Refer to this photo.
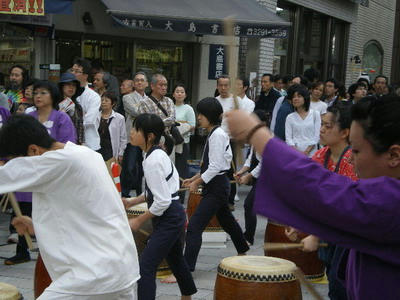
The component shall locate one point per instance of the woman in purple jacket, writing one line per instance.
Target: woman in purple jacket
(46, 97)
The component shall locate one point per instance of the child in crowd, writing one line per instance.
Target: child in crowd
(165, 210)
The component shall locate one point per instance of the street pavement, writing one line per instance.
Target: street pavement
(21, 275)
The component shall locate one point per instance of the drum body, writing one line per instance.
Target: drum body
(9, 292)
(41, 278)
(256, 278)
(308, 262)
(141, 238)
(193, 202)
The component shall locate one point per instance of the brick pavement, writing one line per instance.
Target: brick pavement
(21, 275)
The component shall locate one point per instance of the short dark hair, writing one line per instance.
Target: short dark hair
(342, 114)
(84, 63)
(287, 78)
(151, 123)
(245, 81)
(19, 132)
(261, 114)
(381, 76)
(336, 83)
(223, 76)
(312, 74)
(366, 81)
(303, 80)
(379, 118)
(271, 77)
(211, 109)
(97, 64)
(53, 90)
(301, 90)
(352, 89)
(314, 85)
(111, 96)
(277, 77)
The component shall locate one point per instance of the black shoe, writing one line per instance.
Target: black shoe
(17, 259)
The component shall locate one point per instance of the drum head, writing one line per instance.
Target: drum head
(138, 209)
(9, 292)
(257, 269)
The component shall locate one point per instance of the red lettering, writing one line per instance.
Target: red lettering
(39, 6)
(19, 5)
(31, 6)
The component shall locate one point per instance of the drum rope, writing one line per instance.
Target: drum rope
(302, 278)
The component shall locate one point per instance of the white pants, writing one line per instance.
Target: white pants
(127, 294)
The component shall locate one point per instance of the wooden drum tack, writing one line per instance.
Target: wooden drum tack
(308, 262)
(193, 203)
(256, 278)
(9, 292)
(142, 235)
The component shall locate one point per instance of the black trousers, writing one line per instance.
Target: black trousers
(132, 170)
(165, 242)
(232, 170)
(22, 246)
(250, 218)
(214, 202)
(182, 167)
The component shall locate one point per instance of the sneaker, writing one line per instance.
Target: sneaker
(17, 259)
(13, 238)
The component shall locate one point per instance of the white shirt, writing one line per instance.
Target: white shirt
(256, 171)
(80, 223)
(185, 113)
(118, 134)
(319, 106)
(303, 133)
(90, 102)
(227, 105)
(219, 157)
(246, 104)
(277, 106)
(157, 166)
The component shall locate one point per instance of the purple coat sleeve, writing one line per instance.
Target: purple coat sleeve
(363, 215)
(65, 129)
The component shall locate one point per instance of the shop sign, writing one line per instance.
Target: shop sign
(22, 7)
(15, 55)
(217, 62)
(201, 27)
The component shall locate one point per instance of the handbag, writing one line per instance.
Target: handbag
(176, 135)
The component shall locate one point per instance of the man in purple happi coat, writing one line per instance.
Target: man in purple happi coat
(361, 216)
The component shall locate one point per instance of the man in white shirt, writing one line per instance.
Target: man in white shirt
(90, 102)
(77, 216)
(242, 84)
(132, 170)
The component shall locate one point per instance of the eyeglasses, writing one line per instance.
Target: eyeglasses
(41, 93)
(77, 71)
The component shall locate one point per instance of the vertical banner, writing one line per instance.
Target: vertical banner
(22, 7)
(217, 61)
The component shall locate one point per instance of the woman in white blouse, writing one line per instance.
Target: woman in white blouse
(317, 90)
(302, 126)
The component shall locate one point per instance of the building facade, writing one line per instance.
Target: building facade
(339, 38)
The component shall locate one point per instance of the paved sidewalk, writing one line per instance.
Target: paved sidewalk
(21, 275)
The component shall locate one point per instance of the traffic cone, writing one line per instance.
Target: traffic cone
(116, 171)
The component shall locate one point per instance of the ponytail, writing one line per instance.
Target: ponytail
(168, 143)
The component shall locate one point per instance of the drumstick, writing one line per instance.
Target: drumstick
(287, 246)
(144, 232)
(17, 211)
(186, 188)
(300, 276)
(4, 202)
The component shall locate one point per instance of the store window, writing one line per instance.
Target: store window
(280, 65)
(167, 60)
(372, 60)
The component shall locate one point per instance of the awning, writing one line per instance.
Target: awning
(198, 16)
(58, 7)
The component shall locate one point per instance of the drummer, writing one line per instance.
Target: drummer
(79, 221)
(216, 163)
(165, 210)
(361, 216)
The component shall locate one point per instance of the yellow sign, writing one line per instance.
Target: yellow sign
(22, 7)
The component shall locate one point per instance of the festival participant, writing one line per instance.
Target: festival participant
(248, 174)
(165, 211)
(14, 90)
(46, 97)
(303, 125)
(361, 216)
(216, 162)
(83, 233)
(336, 157)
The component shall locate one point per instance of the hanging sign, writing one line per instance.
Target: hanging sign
(22, 7)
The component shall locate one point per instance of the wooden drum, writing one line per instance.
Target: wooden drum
(141, 238)
(9, 292)
(256, 278)
(193, 202)
(308, 262)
